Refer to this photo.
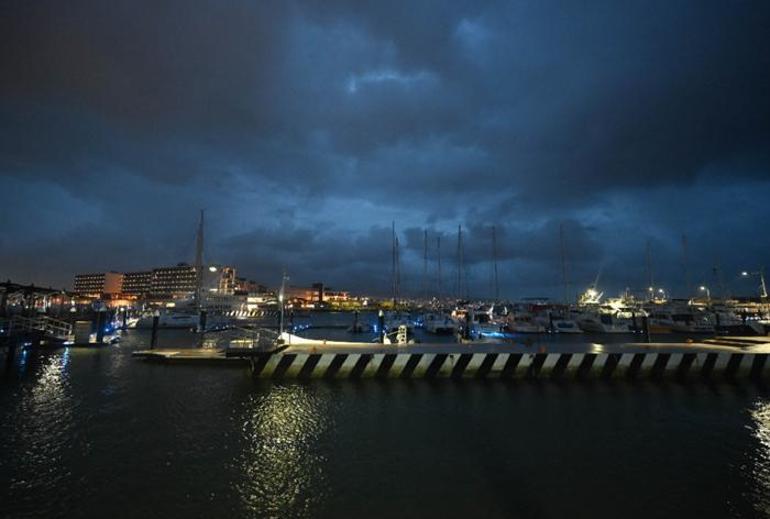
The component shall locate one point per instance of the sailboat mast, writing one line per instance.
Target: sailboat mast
(398, 270)
(199, 263)
(438, 253)
(459, 261)
(393, 269)
(650, 286)
(425, 264)
(563, 263)
(685, 266)
(494, 262)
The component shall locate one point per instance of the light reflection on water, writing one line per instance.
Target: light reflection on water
(98, 431)
(39, 440)
(761, 456)
(282, 462)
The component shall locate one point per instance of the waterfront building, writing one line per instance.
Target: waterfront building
(173, 282)
(316, 294)
(179, 281)
(137, 284)
(98, 284)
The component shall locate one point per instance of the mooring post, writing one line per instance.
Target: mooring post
(154, 336)
(381, 326)
(202, 321)
(468, 323)
(101, 318)
(291, 320)
(550, 321)
(646, 325)
(10, 353)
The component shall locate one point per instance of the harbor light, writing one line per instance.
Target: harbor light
(744, 273)
(212, 269)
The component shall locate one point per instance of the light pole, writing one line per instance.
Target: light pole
(762, 285)
(705, 289)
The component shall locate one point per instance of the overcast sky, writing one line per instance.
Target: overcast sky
(305, 129)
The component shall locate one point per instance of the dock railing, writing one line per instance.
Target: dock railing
(49, 326)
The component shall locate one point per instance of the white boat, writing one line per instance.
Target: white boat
(439, 324)
(595, 321)
(522, 322)
(729, 322)
(394, 320)
(557, 322)
(660, 321)
(692, 322)
(486, 323)
(182, 320)
(169, 320)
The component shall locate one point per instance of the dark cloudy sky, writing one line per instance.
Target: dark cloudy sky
(304, 129)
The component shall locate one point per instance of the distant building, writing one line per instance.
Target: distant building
(175, 282)
(247, 286)
(316, 294)
(137, 284)
(98, 285)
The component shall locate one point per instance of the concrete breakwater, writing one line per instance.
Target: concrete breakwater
(514, 366)
(728, 359)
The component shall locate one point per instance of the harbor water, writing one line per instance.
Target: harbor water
(95, 432)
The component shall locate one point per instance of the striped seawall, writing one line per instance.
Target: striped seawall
(543, 366)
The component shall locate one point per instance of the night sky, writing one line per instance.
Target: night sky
(305, 129)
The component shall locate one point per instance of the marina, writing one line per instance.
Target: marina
(208, 440)
(384, 259)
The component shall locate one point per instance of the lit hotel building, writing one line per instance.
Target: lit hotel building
(96, 285)
(175, 282)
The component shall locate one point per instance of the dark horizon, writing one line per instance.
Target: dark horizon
(306, 129)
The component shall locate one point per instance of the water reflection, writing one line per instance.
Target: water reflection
(42, 422)
(761, 457)
(282, 462)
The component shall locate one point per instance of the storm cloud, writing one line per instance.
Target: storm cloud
(592, 131)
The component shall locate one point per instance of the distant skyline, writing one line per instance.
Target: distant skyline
(305, 128)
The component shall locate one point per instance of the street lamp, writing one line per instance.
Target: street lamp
(708, 292)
